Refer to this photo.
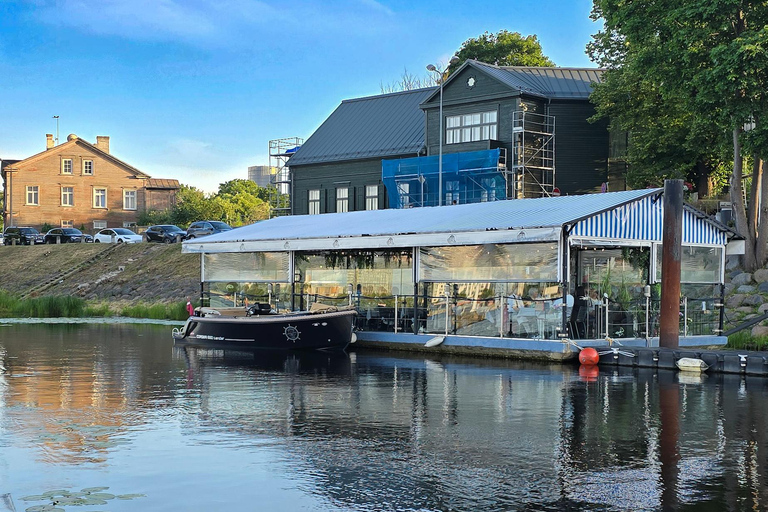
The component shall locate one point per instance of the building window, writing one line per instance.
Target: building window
(88, 167)
(342, 200)
(67, 196)
(99, 224)
(99, 198)
(471, 127)
(33, 195)
(129, 224)
(452, 195)
(314, 202)
(371, 197)
(66, 166)
(129, 199)
(67, 223)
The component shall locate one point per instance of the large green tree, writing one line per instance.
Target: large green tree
(705, 64)
(503, 49)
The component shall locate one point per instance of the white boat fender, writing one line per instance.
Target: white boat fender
(433, 342)
(353, 338)
(690, 364)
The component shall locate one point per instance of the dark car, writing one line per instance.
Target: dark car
(206, 227)
(66, 236)
(22, 236)
(166, 233)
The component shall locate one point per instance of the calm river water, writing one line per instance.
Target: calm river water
(118, 407)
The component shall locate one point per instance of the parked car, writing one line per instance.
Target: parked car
(116, 235)
(206, 227)
(166, 233)
(22, 236)
(66, 236)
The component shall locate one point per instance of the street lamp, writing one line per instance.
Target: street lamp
(441, 79)
(57, 129)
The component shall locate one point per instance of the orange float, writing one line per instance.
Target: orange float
(589, 356)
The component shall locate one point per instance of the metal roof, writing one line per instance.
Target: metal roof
(163, 183)
(555, 83)
(370, 127)
(510, 220)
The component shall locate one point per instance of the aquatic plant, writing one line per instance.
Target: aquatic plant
(64, 497)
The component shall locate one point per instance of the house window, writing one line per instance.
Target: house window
(66, 166)
(88, 167)
(33, 195)
(67, 196)
(99, 198)
(129, 199)
(371, 197)
(67, 223)
(99, 224)
(314, 202)
(342, 199)
(471, 127)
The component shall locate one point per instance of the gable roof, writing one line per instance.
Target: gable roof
(547, 82)
(90, 147)
(371, 127)
(163, 183)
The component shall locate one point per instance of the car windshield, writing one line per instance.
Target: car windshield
(222, 226)
(123, 231)
(70, 231)
(172, 228)
(28, 231)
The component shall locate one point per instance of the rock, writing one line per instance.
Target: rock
(750, 316)
(760, 330)
(746, 288)
(763, 308)
(753, 300)
(734, 300)
(731, 262)
(743, 278)
(745, 309)
(729, 288)
(763, 287)
(760, 276)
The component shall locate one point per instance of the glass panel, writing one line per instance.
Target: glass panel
(490, 262)
(246, 267)
(236, 294)
(466, 134)
(476, 133)
(489, 117)
(697, 264)
(466, 120)
(475, 118)
(493, 132)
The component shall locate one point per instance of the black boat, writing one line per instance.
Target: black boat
(258, 327)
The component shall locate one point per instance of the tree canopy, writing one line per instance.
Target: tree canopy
(689, 79)
(502, 49)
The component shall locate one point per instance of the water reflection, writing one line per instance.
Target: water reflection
(368, 431)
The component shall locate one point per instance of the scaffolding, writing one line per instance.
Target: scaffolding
(532, 166)
(280, 150)
(468, 177)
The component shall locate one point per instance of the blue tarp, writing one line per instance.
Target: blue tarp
(469, 177)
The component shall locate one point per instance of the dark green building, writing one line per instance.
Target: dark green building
(507, 132)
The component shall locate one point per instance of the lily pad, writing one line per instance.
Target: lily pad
(130, 496)
(93, 501)
(94, 489)
(57, 492)
(101, 496)
(71, 500)
(44, 508)
(35, 497)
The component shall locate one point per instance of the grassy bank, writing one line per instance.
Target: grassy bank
(67, 306)
(744, 340)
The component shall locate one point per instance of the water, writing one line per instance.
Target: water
(118, 406)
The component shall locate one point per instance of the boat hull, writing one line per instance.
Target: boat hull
(304, 331)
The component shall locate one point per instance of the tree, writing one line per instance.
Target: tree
(502, 49)
(408, 82)
(708, 61)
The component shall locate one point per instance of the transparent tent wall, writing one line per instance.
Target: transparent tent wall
(237, 279)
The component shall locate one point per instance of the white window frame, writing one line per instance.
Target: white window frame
(33, 195)
(371, 197)
(66, 166)
(67, 223)
(99, 199)
(471, 127)
(88, 167)
(99, 224)
(342, 199)
(313, 206)
(68, 196)
(127, 196)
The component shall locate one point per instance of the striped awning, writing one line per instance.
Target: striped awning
(643, 220)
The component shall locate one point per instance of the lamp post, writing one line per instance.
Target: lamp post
(441, 79)
(57, 129)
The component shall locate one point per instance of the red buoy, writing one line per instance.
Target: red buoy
(589, 357)
(588, 373)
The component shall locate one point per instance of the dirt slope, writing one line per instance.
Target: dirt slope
(151, 272)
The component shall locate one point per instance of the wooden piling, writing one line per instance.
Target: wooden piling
(672, 238)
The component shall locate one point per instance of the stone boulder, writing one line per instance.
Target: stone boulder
(760, 330)
(760, 276)
(729, 289)
(745, 309)
(741, 279)
(763, 308)
(762, 287)
(753, 300)
(746, 288)
(735, 300)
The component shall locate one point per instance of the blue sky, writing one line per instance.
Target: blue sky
(195, 89)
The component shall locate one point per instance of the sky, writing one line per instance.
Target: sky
(194, 90)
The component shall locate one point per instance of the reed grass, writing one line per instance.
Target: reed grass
(743, 340)
(175, 311)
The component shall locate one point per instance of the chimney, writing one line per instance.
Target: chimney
(48, 140)
(102, 142)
